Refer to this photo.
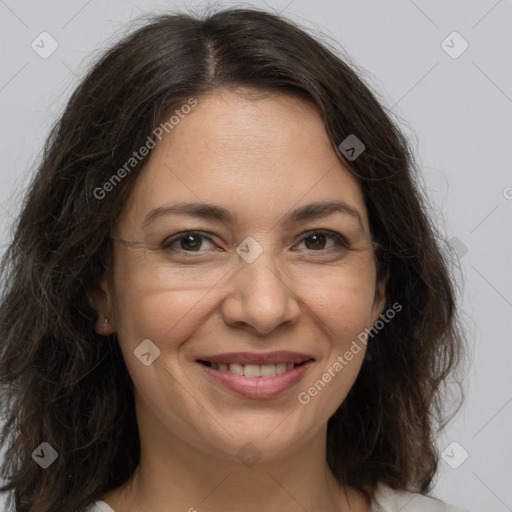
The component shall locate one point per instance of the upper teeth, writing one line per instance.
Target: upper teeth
(254, 370)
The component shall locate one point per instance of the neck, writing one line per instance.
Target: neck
(174, 475)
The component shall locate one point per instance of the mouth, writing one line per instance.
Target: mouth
(254, 370)
(256, 375)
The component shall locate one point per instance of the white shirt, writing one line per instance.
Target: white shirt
(386, 500)
(389, 500)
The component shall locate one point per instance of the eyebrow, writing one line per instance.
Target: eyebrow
(215, 212)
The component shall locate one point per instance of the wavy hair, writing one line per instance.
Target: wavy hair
(63, 384)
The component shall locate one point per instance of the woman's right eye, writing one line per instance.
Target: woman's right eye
(187, 241)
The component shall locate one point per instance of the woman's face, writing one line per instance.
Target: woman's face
(215, 304)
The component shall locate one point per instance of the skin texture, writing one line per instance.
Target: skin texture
(259, 158)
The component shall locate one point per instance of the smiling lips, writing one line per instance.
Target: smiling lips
(256, 375)
(253, 364)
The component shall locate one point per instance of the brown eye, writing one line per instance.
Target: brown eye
(186, 242)
(317, 240)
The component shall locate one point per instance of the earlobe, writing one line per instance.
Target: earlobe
(379, 301)
(99, 299)
(103, 327)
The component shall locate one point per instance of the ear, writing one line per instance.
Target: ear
(379, 301)
(99, 298)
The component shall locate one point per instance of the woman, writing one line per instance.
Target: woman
(223, 291)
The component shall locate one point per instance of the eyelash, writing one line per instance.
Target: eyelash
(339, 240)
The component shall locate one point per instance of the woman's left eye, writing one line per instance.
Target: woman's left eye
(316, 240)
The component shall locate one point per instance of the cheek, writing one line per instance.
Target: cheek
(168, 319)
(343, 303)
(342, 310)
(146, 309)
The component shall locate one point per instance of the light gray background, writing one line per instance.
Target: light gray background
(458, 112)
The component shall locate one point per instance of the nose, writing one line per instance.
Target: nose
(260, 297)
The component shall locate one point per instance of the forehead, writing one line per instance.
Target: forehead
(255, 153)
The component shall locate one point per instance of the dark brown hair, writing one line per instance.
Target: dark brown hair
(64, 384)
